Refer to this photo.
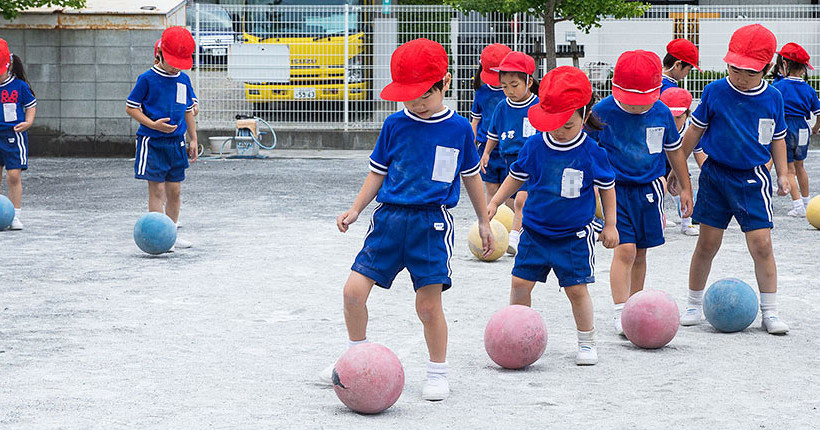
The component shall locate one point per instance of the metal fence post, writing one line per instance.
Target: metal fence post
(454, 50)
(347, 72)
(515, 32)
(198, 62)
(686, 36)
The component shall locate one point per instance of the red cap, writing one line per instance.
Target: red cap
(563, 90)
(156, 47)
(637, 78)
(5, 56)
(516, 62)
(415, 66)
(677, 99)
(491, 57)
(796, 53)
(684, 50)
(178, 47)
(751, 47)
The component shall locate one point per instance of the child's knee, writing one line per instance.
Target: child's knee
(792, 168)
(428, 309)
(577, 293)
(640, 256)
(14, 177)
(761, 247)
(354, 297)
(625, 254)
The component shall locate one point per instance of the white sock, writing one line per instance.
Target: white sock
(695, 299)
(619, 308)
(515, 235)
(17, 213)
(586, 336)
(686, 222)
(798, 204)
(437, 370)
(352, 343)
(806, 201)
(768, 304)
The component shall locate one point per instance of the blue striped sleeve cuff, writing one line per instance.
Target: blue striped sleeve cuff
(520, 176)
(697, 150)
(674, 145)
(475, 115)
(31, 104)
(698, 123)
(491, 135)
(471, 171)
(816, 113)
(781, 135)
(603, 185)
(133, 104)
(377, 168)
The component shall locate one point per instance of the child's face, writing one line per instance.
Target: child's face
(430, 102)
(680, 120)
(514, 87)
(570, 129)
(745, 80)
(636, 109)
(679, 71)
(164, 66)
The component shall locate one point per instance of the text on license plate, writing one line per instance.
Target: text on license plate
(304, 93)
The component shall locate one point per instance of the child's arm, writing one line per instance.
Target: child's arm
(475, 189)
(505, 191)
(25, 125)
(609, 236)
(816, 126)
(372, 183)
(700, 158)
(485, 157)
(474, 124)
(158, 125)
(779, 158)
(677, 159)
(190, 122)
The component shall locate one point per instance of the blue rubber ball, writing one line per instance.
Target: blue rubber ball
(155, 233)
(730, 305)
(6, 212)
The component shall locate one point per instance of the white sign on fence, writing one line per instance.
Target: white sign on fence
(259, 62)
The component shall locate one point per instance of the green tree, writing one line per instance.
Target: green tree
(585, 14)
(11, 8)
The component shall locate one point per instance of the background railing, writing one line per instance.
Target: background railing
(322, 67)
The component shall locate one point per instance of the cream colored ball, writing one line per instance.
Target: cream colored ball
(505, 215)
(500, 235)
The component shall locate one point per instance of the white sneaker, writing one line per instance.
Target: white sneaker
(773, 325)
(670, 223)
(16, 224)
(182, 244)
(689, 230)
(619, 330)
(691, 316)
(587, 354)
(436, 389)
(325, 377)
(799, 212)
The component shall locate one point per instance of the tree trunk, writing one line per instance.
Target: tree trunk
(549, 35)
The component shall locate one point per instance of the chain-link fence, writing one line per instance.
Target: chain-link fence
(322, 67)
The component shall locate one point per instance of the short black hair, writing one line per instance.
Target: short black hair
(669, 61)
(437, 86)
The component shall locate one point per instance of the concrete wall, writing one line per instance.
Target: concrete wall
(81, 79)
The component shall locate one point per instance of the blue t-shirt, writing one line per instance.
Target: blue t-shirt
(799, 98)
(667, 83)
(635, 143)
(423, 159)
(16, 97)
(510, 125)
(560, 177)
(740, 125)
(486, 99)
(162, 95)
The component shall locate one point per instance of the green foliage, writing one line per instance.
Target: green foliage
(585, 14)
(11, 8)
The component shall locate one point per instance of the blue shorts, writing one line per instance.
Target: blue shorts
(640, 213)
(160, 159)
(724, 192)
(496, 167)
(572, 258)
(13, 150)
(509, 159)
(797, 139)
(418, 238)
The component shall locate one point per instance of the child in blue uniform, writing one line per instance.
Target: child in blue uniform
(799, 103)
(162, 102)
(510, 127)
(488, 94)
(416, 168)
(681, 57)
(19, 109)
(562, 166)
(638, 131)
(736, 118)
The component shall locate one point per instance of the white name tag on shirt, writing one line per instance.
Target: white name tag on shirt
(444, 168)
(9, 112)
(765, 131)
(182, 93)
(803, 137)
(527, 128)
(571, 182)
(654, 139)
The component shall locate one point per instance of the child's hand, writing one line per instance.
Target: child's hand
(485, 159)
(609, 236)
(783, 186)
(487, 239)
(687, 203)
(344, 220)
(23, 126)
(672, 184)
(193, 150)
(196, 109)
(163, 126)
(492, 208)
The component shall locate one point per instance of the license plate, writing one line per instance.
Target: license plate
(304, 93)
(220, 51)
